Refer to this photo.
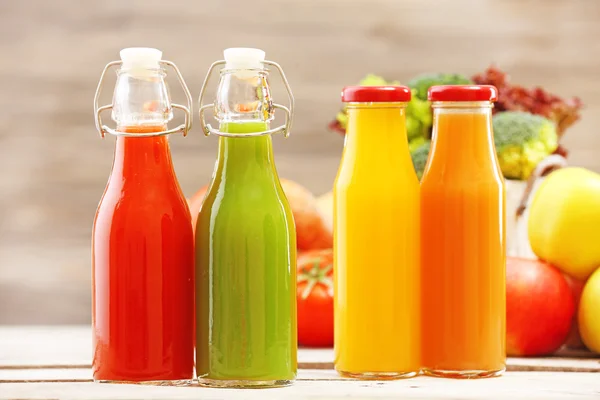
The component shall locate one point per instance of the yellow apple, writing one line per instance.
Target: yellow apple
(564, 221)
(589, 313)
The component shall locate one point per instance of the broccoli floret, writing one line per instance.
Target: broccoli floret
(423, 82)
(418, 118)
(418, 114)
(418, 110)
(416, 142)
(522, 140)
(419, 156)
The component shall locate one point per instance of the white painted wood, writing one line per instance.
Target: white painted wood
(85, 375)
(318, 385)
(34, 364)
(41, 346)
(46, 375)
(71, 347)
(554, 364)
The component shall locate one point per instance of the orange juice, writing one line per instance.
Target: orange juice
(463, 239)
(376, 240)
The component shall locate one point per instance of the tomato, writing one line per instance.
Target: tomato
(315, 298)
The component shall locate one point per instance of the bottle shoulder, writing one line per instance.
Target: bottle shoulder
(443, 175)
(121, 201)
(245, 198)
(464, 183)
(401, 176)
(224, 200)
(240, 214)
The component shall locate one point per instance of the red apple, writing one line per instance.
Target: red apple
(312, 232)
(539, 308)
(574, 339)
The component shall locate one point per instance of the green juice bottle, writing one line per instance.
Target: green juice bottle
(245, 240)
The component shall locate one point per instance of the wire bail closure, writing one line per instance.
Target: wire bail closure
(183, 128)
(285, 128)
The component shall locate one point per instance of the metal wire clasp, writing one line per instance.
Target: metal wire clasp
(183, 128)
(285, 128)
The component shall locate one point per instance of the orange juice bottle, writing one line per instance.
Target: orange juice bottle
(463, 291)
(376, 240)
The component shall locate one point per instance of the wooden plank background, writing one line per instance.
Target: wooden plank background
(54, 166)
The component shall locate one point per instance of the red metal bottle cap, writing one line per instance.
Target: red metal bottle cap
(463, 93)
(375, 94)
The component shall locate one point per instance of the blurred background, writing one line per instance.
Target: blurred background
(55, 166)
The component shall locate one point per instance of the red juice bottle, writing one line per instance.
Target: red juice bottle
(142, 242)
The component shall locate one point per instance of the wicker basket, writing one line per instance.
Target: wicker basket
(518, 199)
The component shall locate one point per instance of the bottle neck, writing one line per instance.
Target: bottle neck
(377, 129)
(244, 96)
(141, 104)
(144, 158)
(243, 105)
(141, 99)
(240, 156)
(462, 138)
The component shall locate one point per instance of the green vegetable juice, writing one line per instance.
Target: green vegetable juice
(245, 268)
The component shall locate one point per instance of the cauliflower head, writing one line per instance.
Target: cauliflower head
(522, 140)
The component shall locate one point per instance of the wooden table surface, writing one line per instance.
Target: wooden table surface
(54, 363)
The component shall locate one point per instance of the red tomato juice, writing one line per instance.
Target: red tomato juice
(143, 265)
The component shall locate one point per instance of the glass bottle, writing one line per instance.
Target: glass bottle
(376, 240)
(142, 245)
(245, 239)
(463, 238)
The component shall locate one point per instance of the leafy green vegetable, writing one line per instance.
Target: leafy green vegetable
(423, 82)
(419, 156)
(418, 118)
(342, 118)
(416, 142)
(522, 140)
(418, 111)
